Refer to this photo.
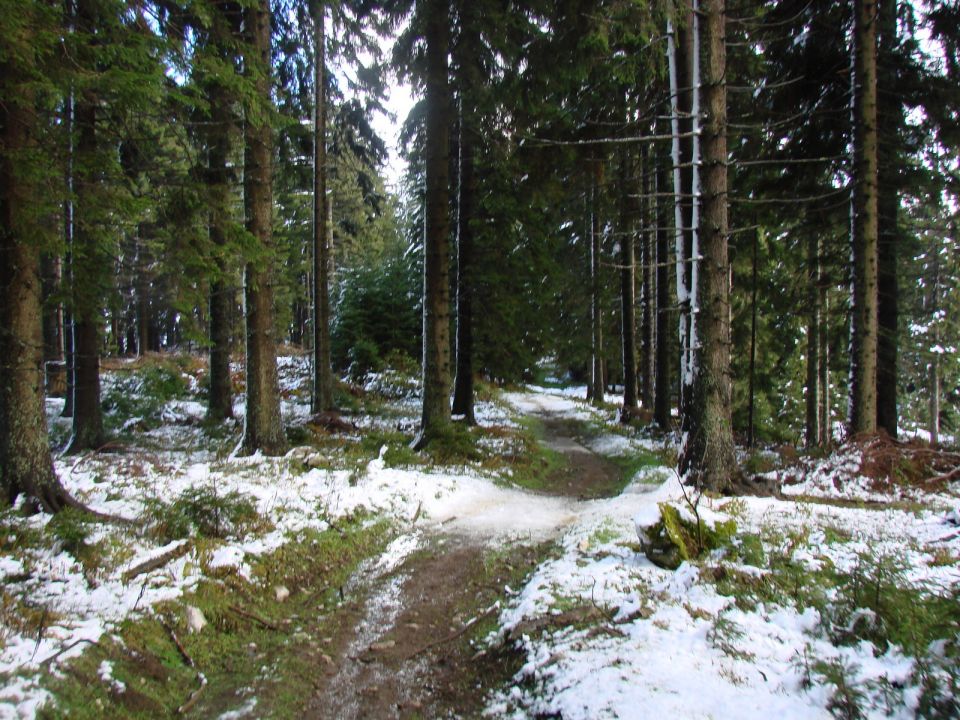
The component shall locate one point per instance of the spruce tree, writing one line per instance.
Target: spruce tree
(708, 451)
(263, 427)
(863, 361)
(25, 462)
(435, 415)
(322, 372)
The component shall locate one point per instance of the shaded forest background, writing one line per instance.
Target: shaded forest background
(173, 179)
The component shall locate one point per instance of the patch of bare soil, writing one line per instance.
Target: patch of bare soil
(586, 475)
(409, 654)
(405, 650)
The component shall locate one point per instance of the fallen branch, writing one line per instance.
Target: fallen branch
(156, 562)
(176, 641)
(454, 635)
(194, 696)
(71, 646)
(945, 477)
(256, 618)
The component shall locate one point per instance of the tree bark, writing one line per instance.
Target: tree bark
(435, 418)
(826, 431)
(863, 381)
(709, 455)
(628, 295)
(685, 91)
(934, 368)
(89, 260)
(26, 465)
(220, 403)
(69, 354)
(751, 389)
(263, 429)
(467, 56)
(596, 308)
(812, 420)
(664, 315)
(322, 364)
(890, 122)
(648, 291)
(51, 273)
(142, 290)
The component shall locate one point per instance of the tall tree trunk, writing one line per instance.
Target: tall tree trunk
(69, 354)
(709, 454)
(751, 389)
(890, 121)
(463, 392)
(89, 261)
(145, 332)
(812, 424)
(466, 53)
(263, 429)
(934, 411)
(684, 89)
(596, 308)
(322, 365)
(826, 431)
(222, 293)
(25, 462)
(628, 295)
(664, 383)
(648, 264)
(863, 382)
(435, 418)
(934, 368)
(50, 269)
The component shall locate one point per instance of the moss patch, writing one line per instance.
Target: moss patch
(254, 645)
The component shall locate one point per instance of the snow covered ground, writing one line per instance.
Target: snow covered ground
(604, 632)
(633, 640)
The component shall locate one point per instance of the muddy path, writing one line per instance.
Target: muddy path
(585, 475)
(409, 652)
(406, 643)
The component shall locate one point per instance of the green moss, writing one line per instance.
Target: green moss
(457, 444)
(248, 630)
(71, 528)
(675, 539)
(634, 462)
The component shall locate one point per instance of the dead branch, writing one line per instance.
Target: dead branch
(454, 635)
(194, 696)
(256, 618)
(46, 662)
(156, 562)
(176, 641)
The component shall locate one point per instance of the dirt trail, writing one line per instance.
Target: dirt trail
(402, 651)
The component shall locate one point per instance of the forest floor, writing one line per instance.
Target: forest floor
(506, 573)
(407, 651)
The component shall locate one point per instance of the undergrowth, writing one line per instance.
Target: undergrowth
(874, 601)
(255, 645)
(141, 393)
(202, 511)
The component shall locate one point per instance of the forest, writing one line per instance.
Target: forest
(669, 282)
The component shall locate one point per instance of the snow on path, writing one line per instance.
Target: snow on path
(460, 501)
(666, 654)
